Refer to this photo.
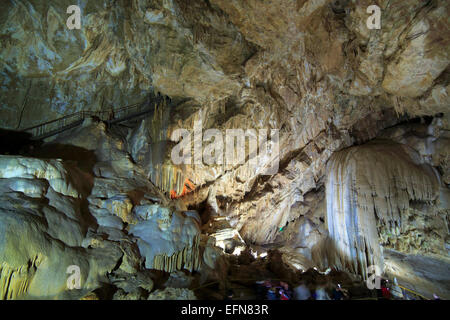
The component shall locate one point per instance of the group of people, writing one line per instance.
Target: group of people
(279, 290)
(273, 290)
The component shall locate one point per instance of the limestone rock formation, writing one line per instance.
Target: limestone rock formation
(54, 215)
(169, 241)
(172, 294)
(310, 69)
(44, 223)
(426, 275)
(123, 49)
(370, 188)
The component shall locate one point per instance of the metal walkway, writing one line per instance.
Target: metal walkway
(114, 116)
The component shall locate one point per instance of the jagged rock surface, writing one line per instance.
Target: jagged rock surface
(43, 225)
(54, 215)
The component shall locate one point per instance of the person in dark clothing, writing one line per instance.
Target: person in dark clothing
(272, 294)
(230, 295)
(285, 293)
(337, 293)
(260, 290)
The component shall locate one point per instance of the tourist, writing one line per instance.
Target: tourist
(284, 295)
(229, 295)
(272, 294)
(385, 293)
(302, 292)
(337, 293)
(321, 294)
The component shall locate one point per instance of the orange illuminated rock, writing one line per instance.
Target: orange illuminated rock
(187, 188)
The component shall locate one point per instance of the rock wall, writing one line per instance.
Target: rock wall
(43, 227)
(106, 219)
(124, 51)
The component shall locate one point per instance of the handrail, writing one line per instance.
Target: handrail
(417, 294)
(51, 121)
(55, 126)
(82, 113)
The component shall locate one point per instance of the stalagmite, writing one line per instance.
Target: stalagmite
(369, 187)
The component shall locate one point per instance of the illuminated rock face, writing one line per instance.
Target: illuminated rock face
(43, 230)
(311, 69)
(172, 294)
(424, 274)
(369, 190)
(169, 241)
(423, 50)
(121, 54)
(167, 237)
(315, 71)
(106, 222)
(215, 51)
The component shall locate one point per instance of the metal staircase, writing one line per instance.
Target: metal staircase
(114, 116)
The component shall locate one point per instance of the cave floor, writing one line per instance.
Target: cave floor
(426, 275)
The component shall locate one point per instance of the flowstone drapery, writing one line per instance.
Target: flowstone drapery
(369, 187)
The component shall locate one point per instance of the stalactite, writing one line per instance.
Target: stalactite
(168, 177)
(188, 258)
(161, 172)
(159, 121)
(369, 187)
(188, 187)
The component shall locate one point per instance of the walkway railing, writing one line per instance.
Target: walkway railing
(49, 128)
(413, 292)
